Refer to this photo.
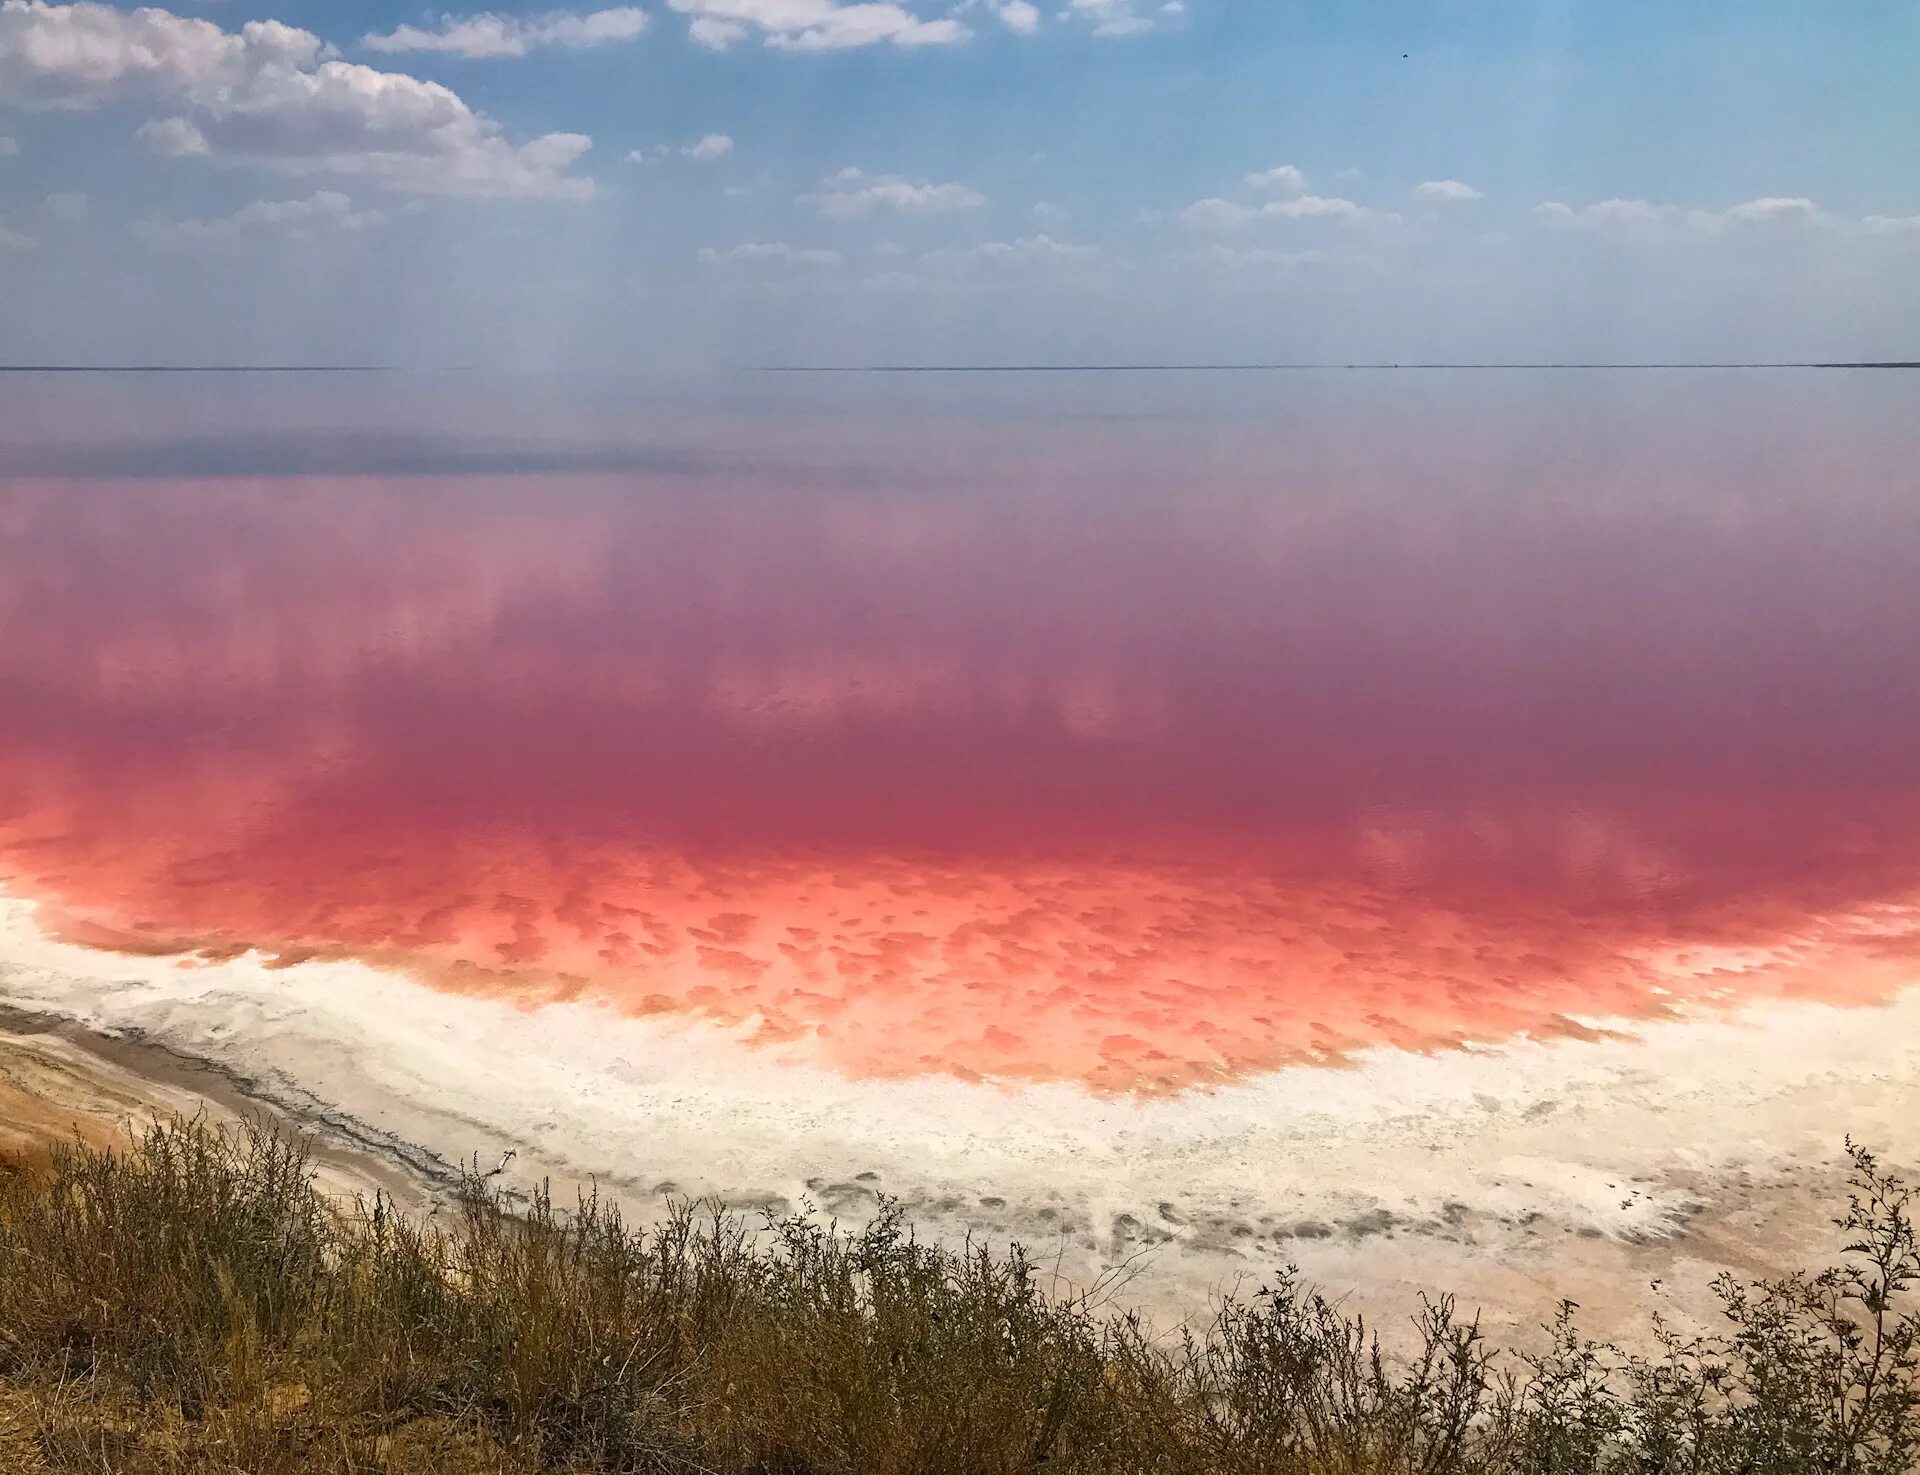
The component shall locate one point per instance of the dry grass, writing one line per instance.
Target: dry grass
(192, 1304)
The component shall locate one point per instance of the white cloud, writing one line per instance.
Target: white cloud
(1623, 216)
(322, 214)
(1647, 219)
(69, 206)
(1262, 259)
(78, 56)
(1892, 225)
(852, 193)
(1218, 214)
(1029, 251)
(12, 240)
(173, 138)
(8, 148)
(274, 97)
(814, 25)
(1282, 179)
(1773, 207)
(994, 266)
(1316, 207)
(1018, 15)
(490, 35)
(703, 150)
(769, 252)
(1126, 17)
(1445, 192)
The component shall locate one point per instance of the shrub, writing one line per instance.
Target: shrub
(193, 1304)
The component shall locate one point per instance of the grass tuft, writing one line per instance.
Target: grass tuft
(192, 1304)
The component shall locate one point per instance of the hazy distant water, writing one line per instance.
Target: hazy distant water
(1139, 733)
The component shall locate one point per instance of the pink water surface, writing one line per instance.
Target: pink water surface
(1067, 752)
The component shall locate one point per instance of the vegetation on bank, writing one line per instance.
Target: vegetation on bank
(192, 1304)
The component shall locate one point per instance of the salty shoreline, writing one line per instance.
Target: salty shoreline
(62, 1082)
(1511, 1175)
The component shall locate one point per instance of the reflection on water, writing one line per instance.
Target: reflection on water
(1141, 753)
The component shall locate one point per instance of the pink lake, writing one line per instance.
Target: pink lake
(1139, 734)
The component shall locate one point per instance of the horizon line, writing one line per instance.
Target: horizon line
(196, 369)
(1263, 368)
(1018, 368)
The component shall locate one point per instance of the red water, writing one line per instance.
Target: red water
(1035, 777)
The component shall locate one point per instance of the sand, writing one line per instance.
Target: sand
(1588, 1166)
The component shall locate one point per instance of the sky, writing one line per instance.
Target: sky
(685, 185)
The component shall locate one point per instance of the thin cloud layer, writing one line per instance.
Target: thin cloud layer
(853, 193)
(1115, 18)
(1040, 251)
(326, 212)
(273, 97)
(706, 149)
(1219, 214)
(1646, 218)
(765, 252)
(490, 35)
(813, 25)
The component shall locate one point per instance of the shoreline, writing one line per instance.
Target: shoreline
(1512, 1176)
(60, 1080)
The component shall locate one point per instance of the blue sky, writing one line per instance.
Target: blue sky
(695, 183)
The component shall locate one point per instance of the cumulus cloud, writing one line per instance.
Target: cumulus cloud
(489, 35)
(1282, 179)
(78, 56)
(1018, 15)
(1444, 192)
(769, 252)
(274, 97)
(8, 148)
(853, 193)
(813, 25)
(12, 240)
(173, 138)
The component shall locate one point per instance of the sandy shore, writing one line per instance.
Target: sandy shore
(60, 1082)
(1588, 1167)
